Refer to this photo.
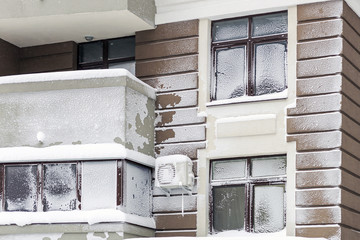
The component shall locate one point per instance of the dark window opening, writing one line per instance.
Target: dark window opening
(108, 54)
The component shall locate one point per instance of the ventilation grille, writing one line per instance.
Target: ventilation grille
(166, 173)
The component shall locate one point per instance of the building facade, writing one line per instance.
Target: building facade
(262, 96)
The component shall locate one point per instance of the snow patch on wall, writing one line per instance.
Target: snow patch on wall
(90, 217)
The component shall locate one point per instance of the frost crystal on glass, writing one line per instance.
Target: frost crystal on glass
(59, 187)
(270, 24)
(230, 72)
(270, 71)
(20, 188)
(230, 30)
(228, 169)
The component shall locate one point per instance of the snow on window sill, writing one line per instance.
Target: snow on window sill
(245, 99)
(76, 216)
(104, 151)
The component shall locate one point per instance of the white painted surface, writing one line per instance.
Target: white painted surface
(260, 124)
(99, 185)
(90, 217)
(181, 10)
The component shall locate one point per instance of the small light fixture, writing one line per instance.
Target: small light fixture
(89, 38)
(40, 137)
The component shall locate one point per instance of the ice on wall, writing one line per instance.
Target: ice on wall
(140, 117)
(138, 189)
(99, 185)
(230, 73)
(270, 71)
(23, 197)
(60, 191)
(70, 116)
(269, 208)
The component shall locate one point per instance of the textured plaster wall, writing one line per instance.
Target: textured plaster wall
(257, 128)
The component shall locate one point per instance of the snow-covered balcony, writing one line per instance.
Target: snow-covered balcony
(76, 147)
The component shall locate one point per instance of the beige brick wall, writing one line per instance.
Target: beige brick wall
(326, 122)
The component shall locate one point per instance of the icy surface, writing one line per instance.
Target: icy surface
(270, 24)
(269, 208)
(99, 185)
(268, 166)
(59, 187)
(228, 169)
(76, 216)
(230, 72)
(23, 196)
(230, 30)
(74, 152)
(270, 72)
(138, 189)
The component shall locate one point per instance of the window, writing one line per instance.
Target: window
(249, 56)
(110, 53)
(31, 187)
(248, 194)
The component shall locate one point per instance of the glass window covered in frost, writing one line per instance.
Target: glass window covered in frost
(60, 188)
(108, 53)
(249, 56)
(248, 194)
(21, 188)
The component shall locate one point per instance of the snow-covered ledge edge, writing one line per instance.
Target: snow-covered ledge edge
(77, 216)
(101, 151)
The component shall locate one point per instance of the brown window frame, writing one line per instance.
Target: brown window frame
(249, 43)
(105, 62)
(249, 183)
(40, 207)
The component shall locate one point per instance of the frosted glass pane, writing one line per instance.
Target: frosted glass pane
(138, 189)
(59, 187)
(91, 52)
(20, 188)
(270, 68)
(128, 65)
(268, 166)
(269, 208)
(230, 73)
(270, 24)
(228, 169)
(228, 208)
(230, 30)
(122, 48)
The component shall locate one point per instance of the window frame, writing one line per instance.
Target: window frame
(249, 43)
(40, 206)
(104, 64)
(249, 184)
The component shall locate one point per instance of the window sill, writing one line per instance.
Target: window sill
(77, 216)
(246, 99)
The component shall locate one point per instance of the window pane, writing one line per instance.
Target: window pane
(269, 208)
(90, 52)
(128, 65)
(228, 208)
(230, 72)
(268, 166)
(270, 24)
(270, 68)
(228, 169)
(230, 30)
(138, 189)
(59, 187)
(20, 188)
(122, 48)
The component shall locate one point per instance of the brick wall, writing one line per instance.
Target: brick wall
(326, 122)
(167, 59)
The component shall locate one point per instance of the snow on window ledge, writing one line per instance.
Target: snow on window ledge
(104, 151)
(76, 216)
(245, 99)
